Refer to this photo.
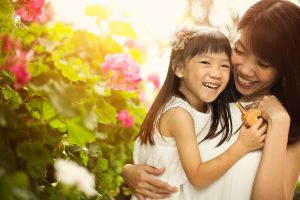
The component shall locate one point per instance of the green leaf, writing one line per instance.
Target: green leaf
(19, 179)
(37, 68)
(58, 124)
(59, 32)
(73, 69)
(6, 7)
(98, 11)
(12, 97)
(39, 108)
(102, 163)
(91, 120)
(36, 157)
(84, 157)
(6, 78)
(106, 113)
(122, 29)
(64, 96)
(78, 134)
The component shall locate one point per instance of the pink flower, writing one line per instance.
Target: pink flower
(8, 44)
(154, 78)
(21, 74)
(129, 43)
(34, 11)
(124, 117)
(16, 64)
(125, 72)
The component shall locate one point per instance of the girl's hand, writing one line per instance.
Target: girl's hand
(140, 178)
(253, 138)
(272, 109)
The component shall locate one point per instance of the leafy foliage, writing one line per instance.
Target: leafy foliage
(66, 109)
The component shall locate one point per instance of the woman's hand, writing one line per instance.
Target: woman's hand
(272, 109)
(141, 179)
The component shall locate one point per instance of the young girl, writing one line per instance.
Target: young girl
(192, 102)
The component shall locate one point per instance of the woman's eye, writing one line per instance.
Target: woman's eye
(238, 51)
(262, 64)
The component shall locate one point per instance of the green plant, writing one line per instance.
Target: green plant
(56, 101)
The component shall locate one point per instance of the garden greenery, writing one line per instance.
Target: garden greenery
(65, 95)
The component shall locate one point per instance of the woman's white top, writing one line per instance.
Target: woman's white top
(235, 184)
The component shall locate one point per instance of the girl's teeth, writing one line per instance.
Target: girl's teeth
(211, 85)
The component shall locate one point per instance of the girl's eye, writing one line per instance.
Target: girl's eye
(204, 62)
(226, 66)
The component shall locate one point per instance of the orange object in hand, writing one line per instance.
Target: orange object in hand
(250, 116)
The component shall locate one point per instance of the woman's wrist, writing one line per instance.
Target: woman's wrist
(125, 170)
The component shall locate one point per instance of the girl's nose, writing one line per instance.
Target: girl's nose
(215, 73)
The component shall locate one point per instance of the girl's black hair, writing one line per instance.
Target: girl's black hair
(196, 42)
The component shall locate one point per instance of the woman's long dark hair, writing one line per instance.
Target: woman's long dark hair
(273, 31)
(197, 42)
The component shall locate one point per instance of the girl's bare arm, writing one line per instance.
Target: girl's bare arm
(201, 174)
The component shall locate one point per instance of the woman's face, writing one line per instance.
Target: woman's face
(253, 76)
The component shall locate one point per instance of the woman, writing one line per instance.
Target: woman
(267, 70)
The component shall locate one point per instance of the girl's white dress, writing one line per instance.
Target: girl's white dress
(235, 184)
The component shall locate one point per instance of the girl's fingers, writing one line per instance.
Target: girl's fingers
(257, 124)
(262, 138)
(263, 128)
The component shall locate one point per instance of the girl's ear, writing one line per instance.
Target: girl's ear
(178, 69)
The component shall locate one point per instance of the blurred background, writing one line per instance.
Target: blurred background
(76, 80)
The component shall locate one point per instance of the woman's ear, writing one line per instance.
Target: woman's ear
(178, 69)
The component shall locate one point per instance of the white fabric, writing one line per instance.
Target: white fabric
(164, 152)
(235, 184)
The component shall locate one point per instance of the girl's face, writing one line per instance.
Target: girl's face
(253, 76)
(203, 78)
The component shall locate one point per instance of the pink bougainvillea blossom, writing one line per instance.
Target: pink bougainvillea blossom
(129, 43)
(21, 74)
(154, 78)
(124, 117)
(34, 11)
(123, 70)
(16, 61)
(8, 44)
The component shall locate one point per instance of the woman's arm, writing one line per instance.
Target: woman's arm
(293, 168)
(141, 179)
(201, 174)
(270, 180)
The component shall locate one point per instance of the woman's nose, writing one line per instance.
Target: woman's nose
(245, 69)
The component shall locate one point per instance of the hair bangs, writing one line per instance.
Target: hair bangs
(207, 41)
(263, 44)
